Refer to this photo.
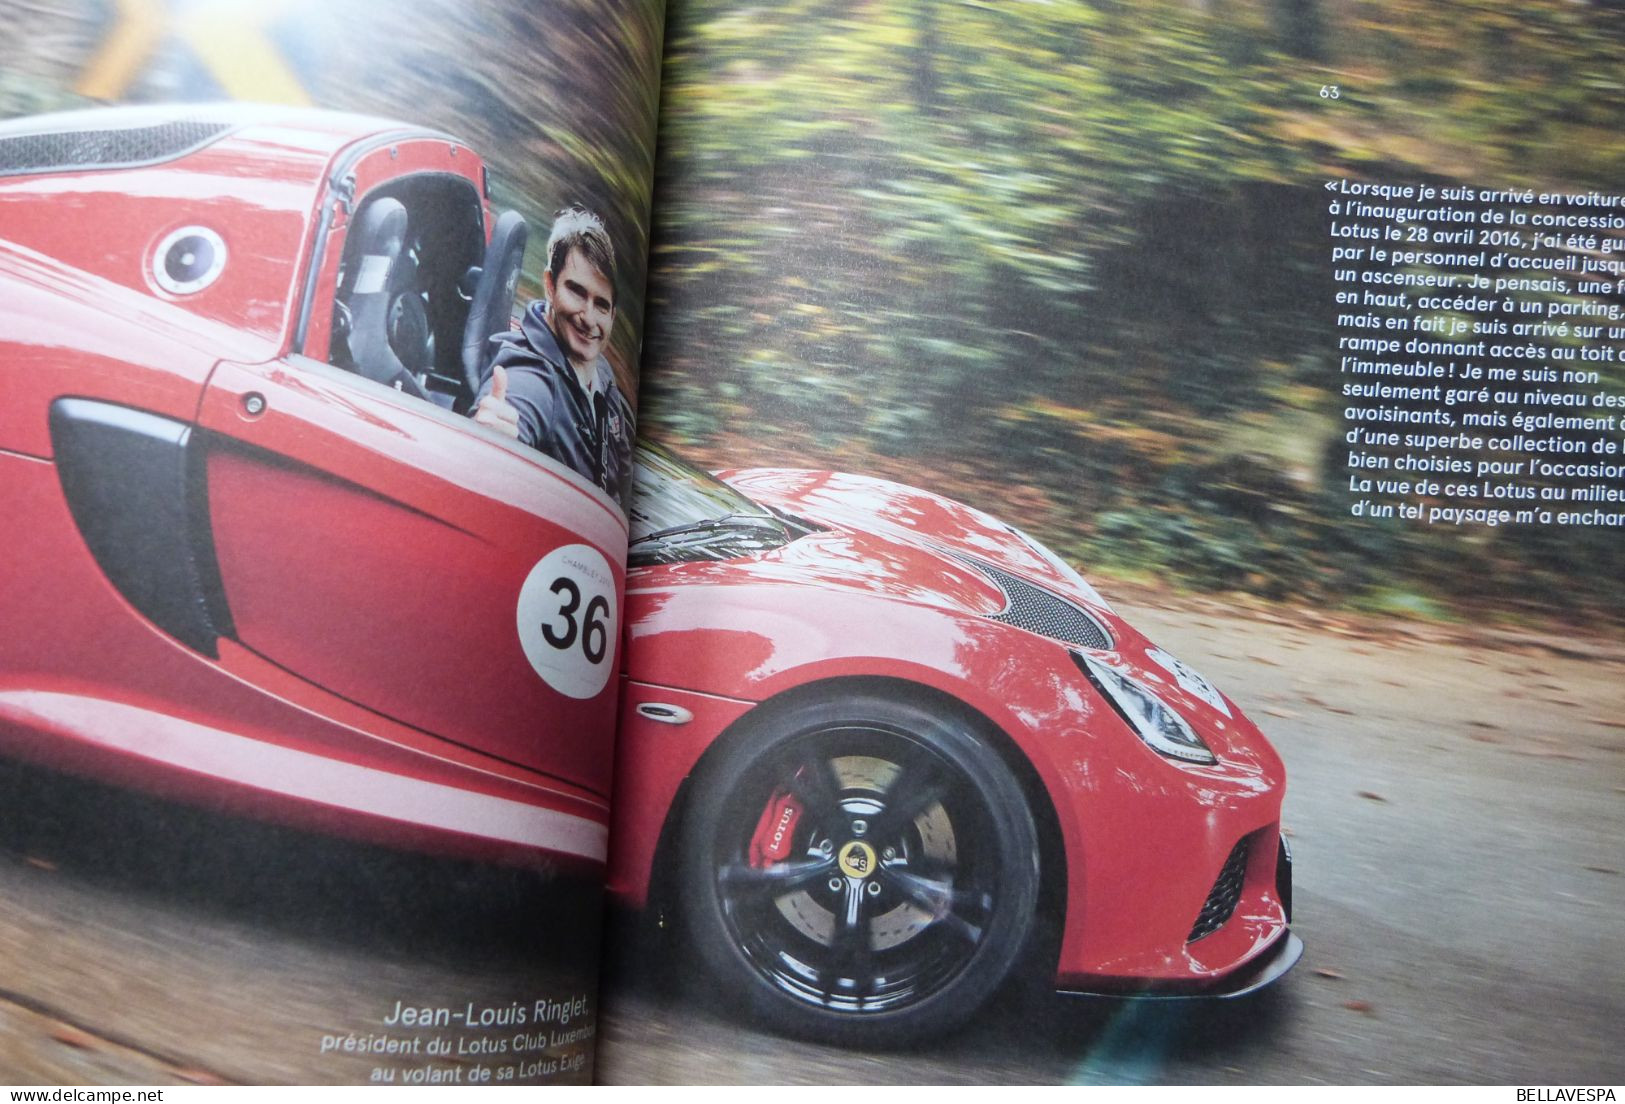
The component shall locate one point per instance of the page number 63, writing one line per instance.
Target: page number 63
(1330, 92)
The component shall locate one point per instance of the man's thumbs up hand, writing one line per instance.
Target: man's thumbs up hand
(495, 411)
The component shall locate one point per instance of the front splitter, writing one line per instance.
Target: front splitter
(1261, 973)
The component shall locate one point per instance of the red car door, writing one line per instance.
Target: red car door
(404, 559)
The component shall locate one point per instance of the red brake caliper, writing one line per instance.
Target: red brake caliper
(775, 831)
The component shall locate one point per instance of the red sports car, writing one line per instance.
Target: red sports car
(257, 554)
(877, 749)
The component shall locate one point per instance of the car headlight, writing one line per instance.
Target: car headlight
(1153, 720)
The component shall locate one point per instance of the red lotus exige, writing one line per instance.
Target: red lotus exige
(876, 748)
(256, 553)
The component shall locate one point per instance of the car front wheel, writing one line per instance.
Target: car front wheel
(862, 868)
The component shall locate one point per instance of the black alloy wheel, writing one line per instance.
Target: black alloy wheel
(863, 869)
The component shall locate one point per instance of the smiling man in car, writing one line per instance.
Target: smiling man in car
(550, 385)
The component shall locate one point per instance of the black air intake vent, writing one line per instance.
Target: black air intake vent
(136, 491)
(1037, 610)
(105, 149)
(1221, 902)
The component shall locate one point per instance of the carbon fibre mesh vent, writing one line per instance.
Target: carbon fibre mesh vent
(105, 149)
(1221, 902)
(1037, 610)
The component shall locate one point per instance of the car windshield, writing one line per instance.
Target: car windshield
(680, 513)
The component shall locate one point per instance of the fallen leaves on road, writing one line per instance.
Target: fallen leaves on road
(1369, 796)
(1547, 753)
(201, 1077)
(72, 1036)
(1362, 1007)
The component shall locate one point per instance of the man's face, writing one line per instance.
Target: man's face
(580, 308)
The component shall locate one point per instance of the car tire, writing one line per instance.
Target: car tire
(860, 868)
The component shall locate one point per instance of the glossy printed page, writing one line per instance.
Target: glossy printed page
(1140, 501)
(318, 346)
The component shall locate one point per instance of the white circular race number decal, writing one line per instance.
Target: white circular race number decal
(567, 620)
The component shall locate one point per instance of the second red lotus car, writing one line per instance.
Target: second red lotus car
(878, 748)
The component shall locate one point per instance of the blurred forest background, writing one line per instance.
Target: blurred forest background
(1064, 259)
(558, 96)
(1067, 260)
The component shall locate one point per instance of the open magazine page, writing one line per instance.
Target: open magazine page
(318, 341)
(1294, 327)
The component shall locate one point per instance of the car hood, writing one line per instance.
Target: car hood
(903, 543)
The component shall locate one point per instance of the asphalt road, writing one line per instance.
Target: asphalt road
(143, 942)
(1457, 809)
(1456, 804)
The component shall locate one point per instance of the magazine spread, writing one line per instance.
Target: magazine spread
(1118, 580)
(1294, 327)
